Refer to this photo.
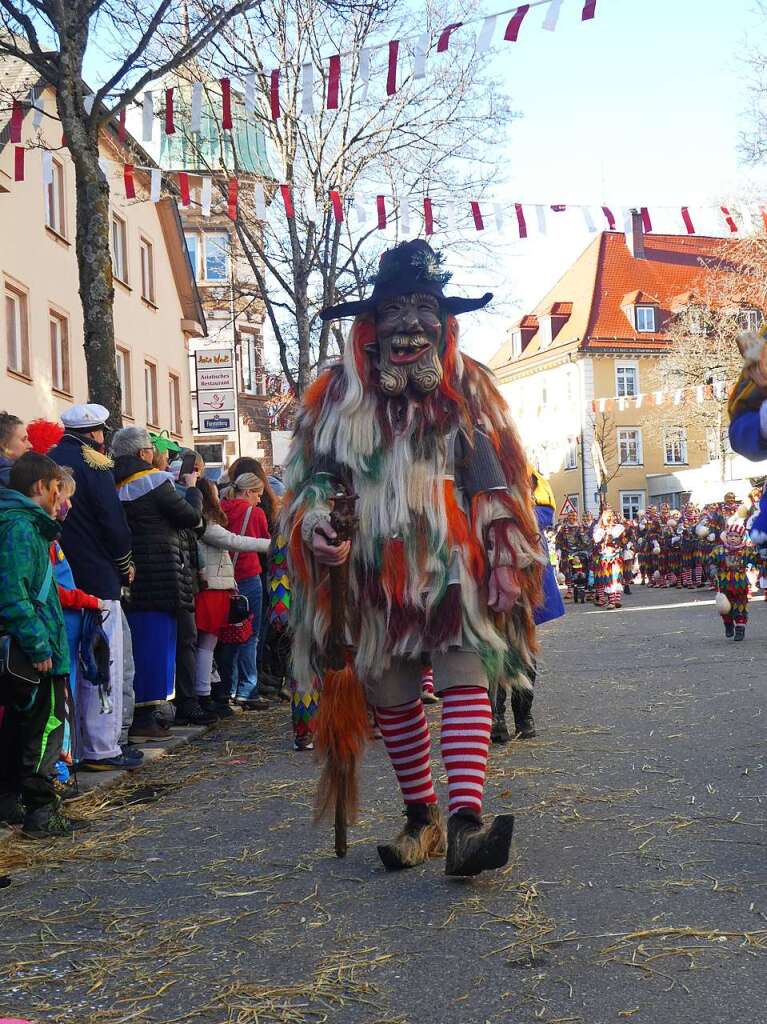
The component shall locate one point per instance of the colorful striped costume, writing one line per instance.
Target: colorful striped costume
(303, 704)
(729, 568)
(608, 562)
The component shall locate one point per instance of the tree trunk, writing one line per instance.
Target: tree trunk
(94, 261)
(92, 246)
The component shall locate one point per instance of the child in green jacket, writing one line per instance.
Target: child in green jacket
(30, 612)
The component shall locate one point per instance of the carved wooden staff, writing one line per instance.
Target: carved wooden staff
(340, 676)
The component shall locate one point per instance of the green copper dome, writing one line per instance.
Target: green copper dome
(241, 150)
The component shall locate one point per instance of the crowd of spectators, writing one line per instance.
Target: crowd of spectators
(132, 602)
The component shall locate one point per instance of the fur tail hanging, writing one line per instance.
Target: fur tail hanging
(339, 737)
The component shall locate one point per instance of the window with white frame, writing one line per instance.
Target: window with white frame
(119, 248)
(645, 319)
(17, 330)
(675, 446)
(150, 394)
(630, 446)
(516, 344)
(696, 320)
(147, 270)
(713, 445)
(193, 248)
(216, 246)
(569, 385)
(123, 360)
(632, 504)
(253, 377)
(626, 380)
(55, 200)
(59, 332)
(571, 453)
(750, 319)
(209, 254)
(174, 394)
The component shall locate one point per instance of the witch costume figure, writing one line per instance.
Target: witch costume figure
(442, 554)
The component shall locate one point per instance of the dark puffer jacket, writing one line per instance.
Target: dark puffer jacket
(157, 515)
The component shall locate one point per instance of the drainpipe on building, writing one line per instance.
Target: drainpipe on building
(236, 355)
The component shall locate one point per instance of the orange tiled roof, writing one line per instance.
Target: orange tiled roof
(673, 264)
(606, 277)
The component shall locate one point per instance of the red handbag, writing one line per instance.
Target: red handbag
(237, 633)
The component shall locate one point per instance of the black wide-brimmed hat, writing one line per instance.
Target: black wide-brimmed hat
(408, 268)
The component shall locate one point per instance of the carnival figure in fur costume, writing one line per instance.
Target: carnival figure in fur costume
(729, 562)
(445, 557)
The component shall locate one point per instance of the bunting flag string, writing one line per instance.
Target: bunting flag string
(334, 81)
(609, 218)
(287, 200)
(232, 198)
(130, 187)
(391, 77)
(728, 220)
(183, 188)
(428, 217)
(226, 105)
(355, 63)
(511, 35)
(274, 94)
(698, 393)
(381, 211)
(437, 215)
(14, 127)
(170, 127)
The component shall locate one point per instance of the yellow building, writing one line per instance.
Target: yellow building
(581, 371)
(157, 307)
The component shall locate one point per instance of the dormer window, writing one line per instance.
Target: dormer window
(516, 344)
(750, 319)
(696, 320)
(645, 319)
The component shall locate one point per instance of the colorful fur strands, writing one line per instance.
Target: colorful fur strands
(419, 565)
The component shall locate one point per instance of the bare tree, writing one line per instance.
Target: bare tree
(604, 452)
(704, 361)
(432, 138)
(55, 38)
(753, 138)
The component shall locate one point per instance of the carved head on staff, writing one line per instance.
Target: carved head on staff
(407, 317)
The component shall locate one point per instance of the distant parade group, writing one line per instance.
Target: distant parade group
(601, 559)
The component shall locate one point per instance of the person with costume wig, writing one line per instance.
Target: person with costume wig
(445, 557)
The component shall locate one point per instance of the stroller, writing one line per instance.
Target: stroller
(579, 574)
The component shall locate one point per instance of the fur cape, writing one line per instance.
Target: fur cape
(419, 563)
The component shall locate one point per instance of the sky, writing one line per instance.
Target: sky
(641, 106)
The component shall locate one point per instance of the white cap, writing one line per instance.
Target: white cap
(85, 417)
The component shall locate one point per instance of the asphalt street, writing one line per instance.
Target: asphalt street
(637, 891)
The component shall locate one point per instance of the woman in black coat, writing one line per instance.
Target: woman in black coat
(157, 514)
